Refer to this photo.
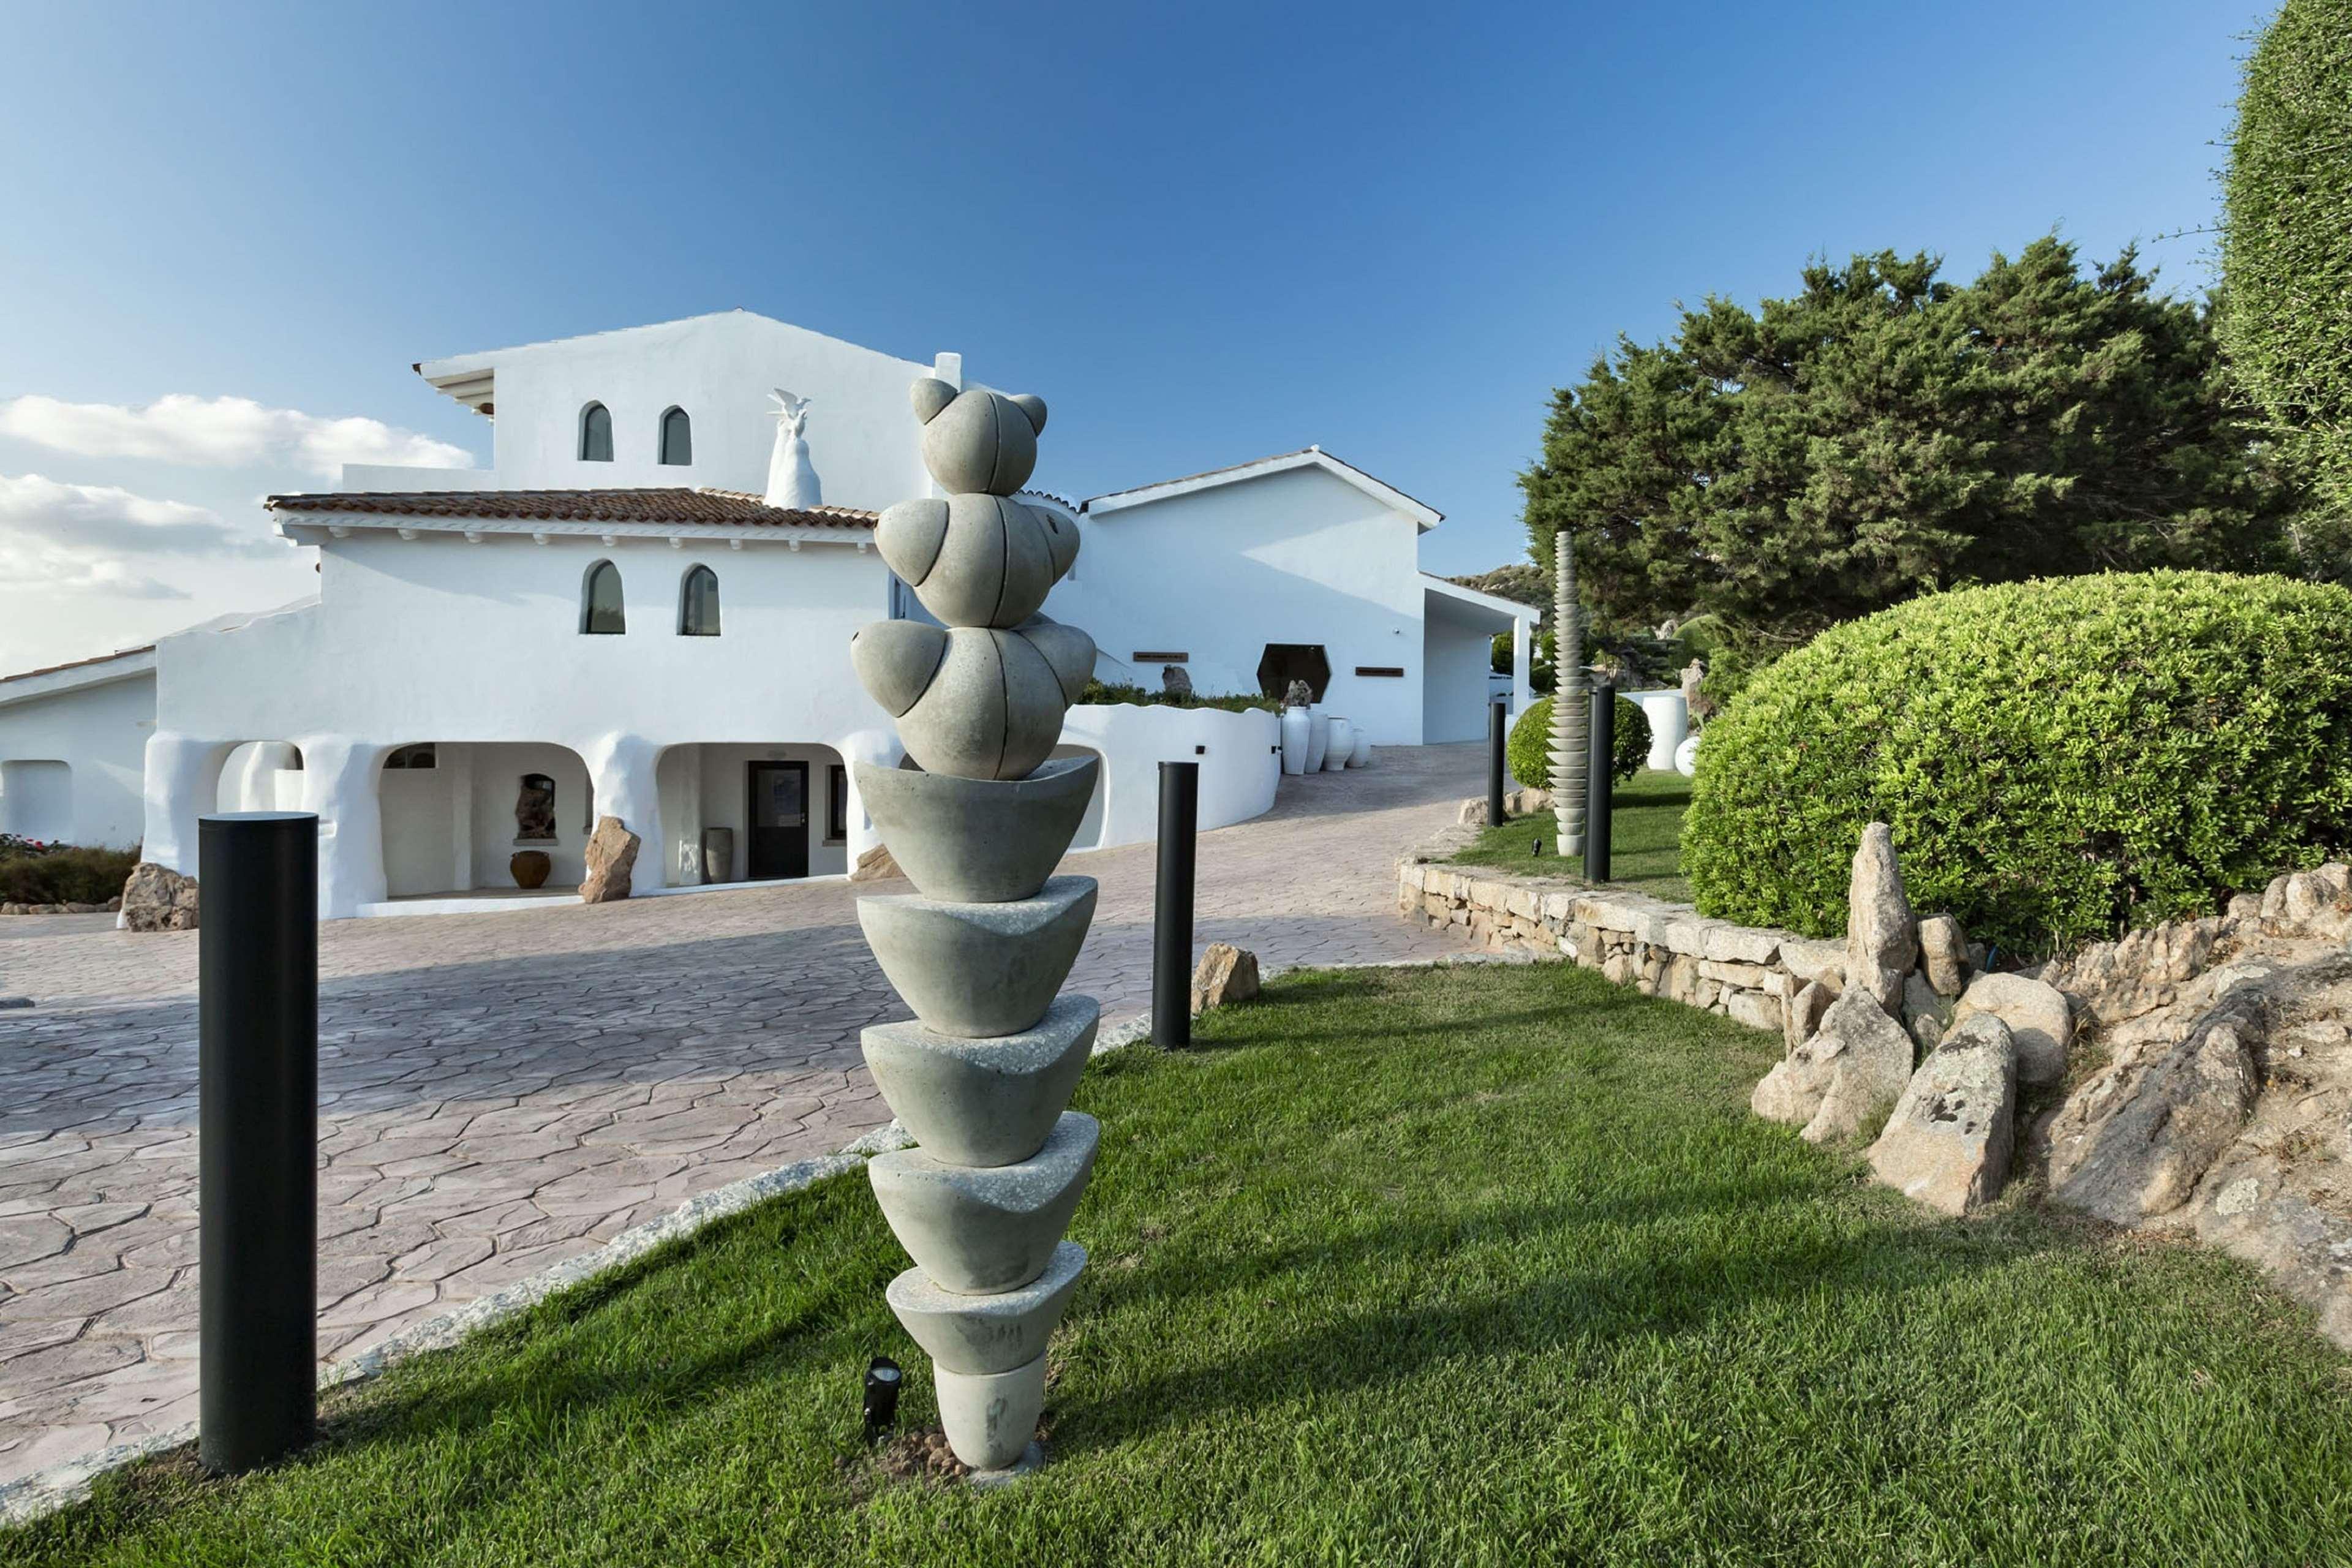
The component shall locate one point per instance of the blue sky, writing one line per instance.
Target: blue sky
(1202, 234)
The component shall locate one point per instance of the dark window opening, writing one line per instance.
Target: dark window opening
(535, 809)
(601, 610)
(677, 439)
(595, 434)
(698, 604)
(837, 805)
(418, 756)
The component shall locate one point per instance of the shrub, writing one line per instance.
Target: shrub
(63, 874)
(1113, 692)
(1527, 748)
(2058, 759)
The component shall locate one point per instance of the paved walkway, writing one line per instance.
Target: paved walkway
(500, 1092)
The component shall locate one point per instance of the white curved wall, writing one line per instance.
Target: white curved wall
(1239, 753)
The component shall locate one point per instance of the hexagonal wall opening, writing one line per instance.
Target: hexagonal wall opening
(1285, 662)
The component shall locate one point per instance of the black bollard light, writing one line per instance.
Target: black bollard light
(1498, 731)
(1171, 906)
(258, 1128)
(882, 1383)
(1600, 783)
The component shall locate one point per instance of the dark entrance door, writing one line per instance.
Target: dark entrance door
(779, 822)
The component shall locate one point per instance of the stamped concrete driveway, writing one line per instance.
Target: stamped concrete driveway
(500, 1092)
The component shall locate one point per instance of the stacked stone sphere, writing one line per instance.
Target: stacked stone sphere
(983, 1077)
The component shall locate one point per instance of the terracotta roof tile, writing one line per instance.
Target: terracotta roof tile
(81, 663)
(679, 505)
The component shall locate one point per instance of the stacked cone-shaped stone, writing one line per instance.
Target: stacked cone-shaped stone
(1570, 704)
(981, 1079)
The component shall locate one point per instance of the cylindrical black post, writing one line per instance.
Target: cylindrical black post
(257, 1149)
(1498, 731)
(1171, 911)
(1600, 781)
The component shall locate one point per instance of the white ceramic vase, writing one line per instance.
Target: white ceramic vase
(1342, 745)
(1296, 727)
(1361, 757)
(1318, 739)
(1687, 756)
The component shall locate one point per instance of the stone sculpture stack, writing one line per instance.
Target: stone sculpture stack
(977, 820)
(1571, 719)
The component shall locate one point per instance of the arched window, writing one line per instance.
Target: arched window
(595, 434)
(698, 604)
(677, 437)
(599, 601)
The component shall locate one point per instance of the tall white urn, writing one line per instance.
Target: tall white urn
(1342, 746)
(1318, 739)
(1296, 728)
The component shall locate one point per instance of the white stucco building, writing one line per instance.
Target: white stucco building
(610, 620)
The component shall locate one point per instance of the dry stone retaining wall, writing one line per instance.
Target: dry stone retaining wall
(1659, 948)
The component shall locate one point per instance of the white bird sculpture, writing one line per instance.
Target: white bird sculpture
(792, 479)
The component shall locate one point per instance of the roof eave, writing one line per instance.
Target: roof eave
(1424, 517)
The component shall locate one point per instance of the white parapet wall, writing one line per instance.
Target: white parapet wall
(1240, 756)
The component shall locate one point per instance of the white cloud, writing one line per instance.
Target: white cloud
(74, 537)
(220, 432)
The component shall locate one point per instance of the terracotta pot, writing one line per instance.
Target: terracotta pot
(530, 867)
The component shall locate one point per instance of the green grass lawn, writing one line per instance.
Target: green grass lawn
(1645, 832)
(1470, 1265)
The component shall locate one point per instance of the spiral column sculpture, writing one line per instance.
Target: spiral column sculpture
(983, 1077)
(1571, 718)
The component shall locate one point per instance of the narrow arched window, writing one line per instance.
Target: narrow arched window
(677, 437)
(599, 601)
(595, 434)
(698, 604)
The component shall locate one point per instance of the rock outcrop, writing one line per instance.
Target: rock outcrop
(1882, 939)
(2220, 1051)
(1226, 973)
(2037, 1016)
(1846, 1076)
(1943, 954)
(611, 859)
(157, 898)
(876, 866)
(1949, 1142)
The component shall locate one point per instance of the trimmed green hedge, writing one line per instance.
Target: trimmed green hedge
(1101, 692)
(66, 874)
(2059, 759)
(1527, 747)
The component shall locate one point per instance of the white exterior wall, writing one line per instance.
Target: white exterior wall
(709, 786)
(719, 369)
(1458, 660)
(435, 639)
(96, 732)
(1297, 556)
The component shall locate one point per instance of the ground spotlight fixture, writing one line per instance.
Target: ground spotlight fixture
(882, 1380)
(1537, 850)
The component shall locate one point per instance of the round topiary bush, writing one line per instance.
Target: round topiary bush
(1528, 746)
(2058, 759)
